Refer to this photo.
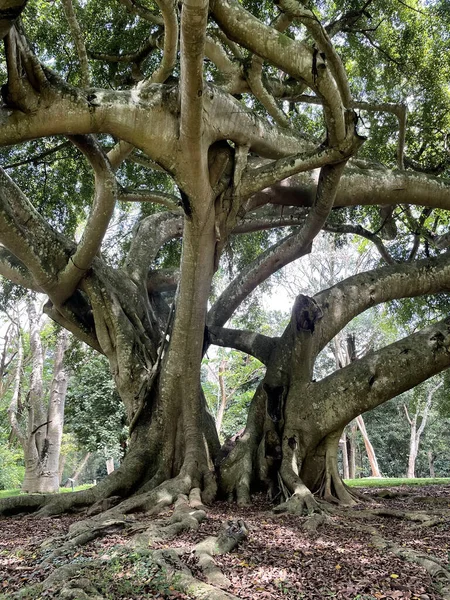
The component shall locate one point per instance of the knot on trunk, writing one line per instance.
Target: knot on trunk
(305, 313)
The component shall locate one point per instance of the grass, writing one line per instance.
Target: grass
(8, 493)
(394, 481)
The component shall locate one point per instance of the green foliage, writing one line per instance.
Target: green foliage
(94, 411)
(12, 469)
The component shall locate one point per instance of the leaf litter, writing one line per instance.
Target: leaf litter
(279, 560)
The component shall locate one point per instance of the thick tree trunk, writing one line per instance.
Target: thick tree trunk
(291, 441)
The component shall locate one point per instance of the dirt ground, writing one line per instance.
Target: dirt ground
(359, 553)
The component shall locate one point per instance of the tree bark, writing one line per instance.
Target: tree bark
(45, 423)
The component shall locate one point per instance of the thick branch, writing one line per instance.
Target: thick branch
(342, 302)
(194, 17)
(152, 233)
(169, 12)
(168, 200)
(368, 382)
(10, 11)
(258, 345)
(294, 58)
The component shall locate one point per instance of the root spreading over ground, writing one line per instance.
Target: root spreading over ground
(395, 547)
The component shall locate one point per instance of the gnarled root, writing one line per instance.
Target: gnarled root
(84, 581)
(301, 502)
(236, 470)
(232, 534)
(440, 574)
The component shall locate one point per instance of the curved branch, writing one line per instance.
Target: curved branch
(162, 280)
(168, 200)
(365, 233)
(323, 41)
(282, 253)
(29, 238)
(342, 302)
(293, 57)
(97, 223)
(168, 9)
(258, 345)
(14, 270)
(130, 57)
(152, 233)
(137, 9)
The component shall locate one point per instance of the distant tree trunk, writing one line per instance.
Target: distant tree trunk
(44, 431)
(109, 465)
(344, 356)
(352, 453)
(369, 448)
(345, 455)
(416, 432)
(431, 458)
(222, 396)
(76, 474)
(62, 464)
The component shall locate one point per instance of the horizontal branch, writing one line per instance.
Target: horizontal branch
(368, 382)
(258, 345)
(170, 201)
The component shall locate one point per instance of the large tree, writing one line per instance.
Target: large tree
(244, 108)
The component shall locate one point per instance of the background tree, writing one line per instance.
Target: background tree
(36, 414)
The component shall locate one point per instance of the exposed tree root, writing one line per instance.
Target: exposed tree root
(81, 582)
(439, 573)
(299, 503)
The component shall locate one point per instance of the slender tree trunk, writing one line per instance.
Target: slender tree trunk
(62, 464)
(369, 448)
(431, 459)
(45, 423)
(411, 474)
(343, 444)
(222, 396)
(416, 432)
(352, 444)
(78, 471)
(109, 465)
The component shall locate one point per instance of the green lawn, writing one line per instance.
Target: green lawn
(7, 493)
(393, 481)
